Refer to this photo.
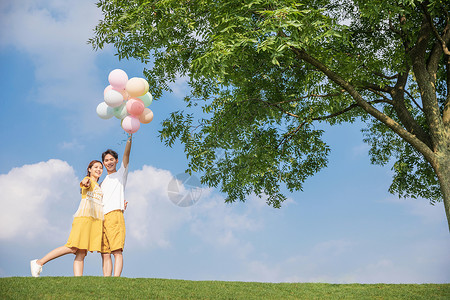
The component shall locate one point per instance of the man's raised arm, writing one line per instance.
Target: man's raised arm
(126, 153)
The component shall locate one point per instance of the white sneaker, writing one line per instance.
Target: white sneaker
(36, 269)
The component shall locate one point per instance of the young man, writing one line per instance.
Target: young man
(113, 187)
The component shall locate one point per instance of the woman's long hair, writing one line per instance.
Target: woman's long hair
(90, 166)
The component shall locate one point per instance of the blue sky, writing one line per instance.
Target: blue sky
(343, 228)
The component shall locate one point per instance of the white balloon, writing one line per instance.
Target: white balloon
(104, 111)
(113, 98)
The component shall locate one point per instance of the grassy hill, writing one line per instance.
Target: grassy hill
(149, 288)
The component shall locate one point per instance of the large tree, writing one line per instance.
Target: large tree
(265, 72)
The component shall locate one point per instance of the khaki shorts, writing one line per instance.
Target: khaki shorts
(113, 237)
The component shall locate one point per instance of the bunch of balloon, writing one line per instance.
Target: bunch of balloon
(127, 100)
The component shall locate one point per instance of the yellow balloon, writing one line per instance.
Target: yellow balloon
(135, 87)
(146, 85)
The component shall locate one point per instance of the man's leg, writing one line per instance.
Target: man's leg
(107, 264)
(118, 262)
(106, 250)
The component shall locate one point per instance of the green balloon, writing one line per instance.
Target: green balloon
(147, 99)
(121, 111)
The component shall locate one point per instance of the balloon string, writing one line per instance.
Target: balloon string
(125, 140)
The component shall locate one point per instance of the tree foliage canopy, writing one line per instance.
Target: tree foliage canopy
(266, 71)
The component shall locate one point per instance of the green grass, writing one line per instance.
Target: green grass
(149, 288)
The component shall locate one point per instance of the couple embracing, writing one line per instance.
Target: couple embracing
(98, 224)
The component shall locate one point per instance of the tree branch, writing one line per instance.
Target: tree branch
(403, 113)
(385, 99)
(374, 87)
(385, 76)
(426, 79)
(288, 136)
(440, 45)
(397, 128)
(277, 106)
(401, 33)
(395, 30)
(435, 32)
(291, 133)
(352, 106)
(413, 100)
(310, 96)
(446, 112)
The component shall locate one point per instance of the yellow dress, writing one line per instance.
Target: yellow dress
(87, 224)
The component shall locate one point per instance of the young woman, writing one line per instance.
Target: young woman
(87, 226)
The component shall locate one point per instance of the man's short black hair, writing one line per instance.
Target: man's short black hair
(110, 152)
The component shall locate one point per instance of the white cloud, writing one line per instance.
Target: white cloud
(54, 35)
(41, 198)
(180, 87)
(153, 220)
(220, 224)
(361, 150)
(262, 272)
(37, 200)
(151, 217)
(421, 208)
(332, 248)
(421, 261)
(72, 145)
(343, 261)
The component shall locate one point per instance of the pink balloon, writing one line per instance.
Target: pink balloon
(108, 88)
(118, 79)
(146, 116)
(130, 124)
(135, 107)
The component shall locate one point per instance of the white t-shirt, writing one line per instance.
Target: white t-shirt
(113, 187)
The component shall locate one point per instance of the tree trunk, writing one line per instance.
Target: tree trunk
(443, 174)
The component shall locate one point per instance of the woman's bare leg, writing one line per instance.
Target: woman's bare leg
(78, 263)
(55, 253)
